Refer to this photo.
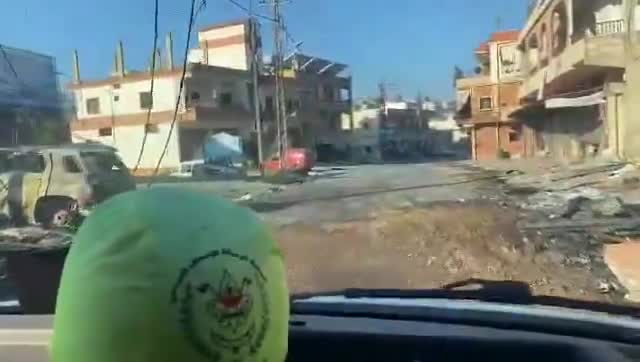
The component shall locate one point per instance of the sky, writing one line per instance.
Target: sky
(412, 45)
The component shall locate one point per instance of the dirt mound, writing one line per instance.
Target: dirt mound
(425, 248)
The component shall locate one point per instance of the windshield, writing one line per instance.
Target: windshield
(396, 147)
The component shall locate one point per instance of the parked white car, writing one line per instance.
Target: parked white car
(200, 169)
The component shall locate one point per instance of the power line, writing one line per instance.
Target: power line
(153, 71)
(11, 67)
(249, 12)
(182, 77)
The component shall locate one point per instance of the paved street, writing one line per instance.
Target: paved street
(408, 226)
(340, 193)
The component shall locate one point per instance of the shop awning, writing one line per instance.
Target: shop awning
(584, 101)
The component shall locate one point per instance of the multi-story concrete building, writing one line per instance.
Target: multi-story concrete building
(217, 97)
(30, 100)
(573, 67)
(487, 99)
(114, 111)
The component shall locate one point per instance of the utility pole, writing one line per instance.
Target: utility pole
(499, 97)
(256, 79)
(278, 55)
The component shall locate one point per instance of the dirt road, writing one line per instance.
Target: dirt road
(415, 226)
(426, 248)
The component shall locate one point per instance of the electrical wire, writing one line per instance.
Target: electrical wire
(153, 71)
(249, 12)
(11, 67)
(182, 78)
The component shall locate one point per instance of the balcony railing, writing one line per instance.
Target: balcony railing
(610, 27)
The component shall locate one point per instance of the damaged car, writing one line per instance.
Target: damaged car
(47, 185)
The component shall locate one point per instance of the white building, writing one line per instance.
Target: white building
(217, 96)
(115, 110)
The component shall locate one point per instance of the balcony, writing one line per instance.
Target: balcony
(216, 117)
(604, 50)
(470, 82)
(610, 27)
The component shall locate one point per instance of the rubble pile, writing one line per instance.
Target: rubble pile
(419, 248)
(573, 213)
(33, 238)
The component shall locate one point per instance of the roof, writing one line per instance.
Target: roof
(316, 65)
(132, 76)
(499, 37)
(161, 73)
(226, 24)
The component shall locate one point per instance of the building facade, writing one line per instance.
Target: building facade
(217, 97)
(30, 99)
(487, 99)
(574, 77)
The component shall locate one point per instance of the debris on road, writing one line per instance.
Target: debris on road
(33, 237)
(590, 208)
(433, 246)
(245, 197)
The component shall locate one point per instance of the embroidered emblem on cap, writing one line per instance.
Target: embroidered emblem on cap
(222, 305)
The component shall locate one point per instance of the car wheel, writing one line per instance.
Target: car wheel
(57, 212)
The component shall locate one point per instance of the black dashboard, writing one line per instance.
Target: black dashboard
(331, 338)
(323, 338)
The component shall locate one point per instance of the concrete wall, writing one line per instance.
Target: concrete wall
(572, 133)
(225, 47)
(210, 85)
(128, 139)
(128, 97)
(485, 143)
(508, 98)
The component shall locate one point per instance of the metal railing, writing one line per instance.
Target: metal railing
(610, 27)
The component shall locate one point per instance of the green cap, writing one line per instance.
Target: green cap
(172, 275)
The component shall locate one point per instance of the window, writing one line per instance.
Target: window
(486, 103)
(292, 105)
(27, 162)
(151, 128)
(146, 101)
(70, 165)
(544, 43)
(195, 96)
(116, 98)
(559, 24)
(103, 132)
(100, 162)
(328, 92)
(93, 106)
(268, 104)
(226, 99)
(116, 86)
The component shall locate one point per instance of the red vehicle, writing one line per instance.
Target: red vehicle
(296, 160)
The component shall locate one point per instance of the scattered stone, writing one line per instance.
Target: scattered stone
(245, 197)
(605, 287)
(608, 207)
(578, 260)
